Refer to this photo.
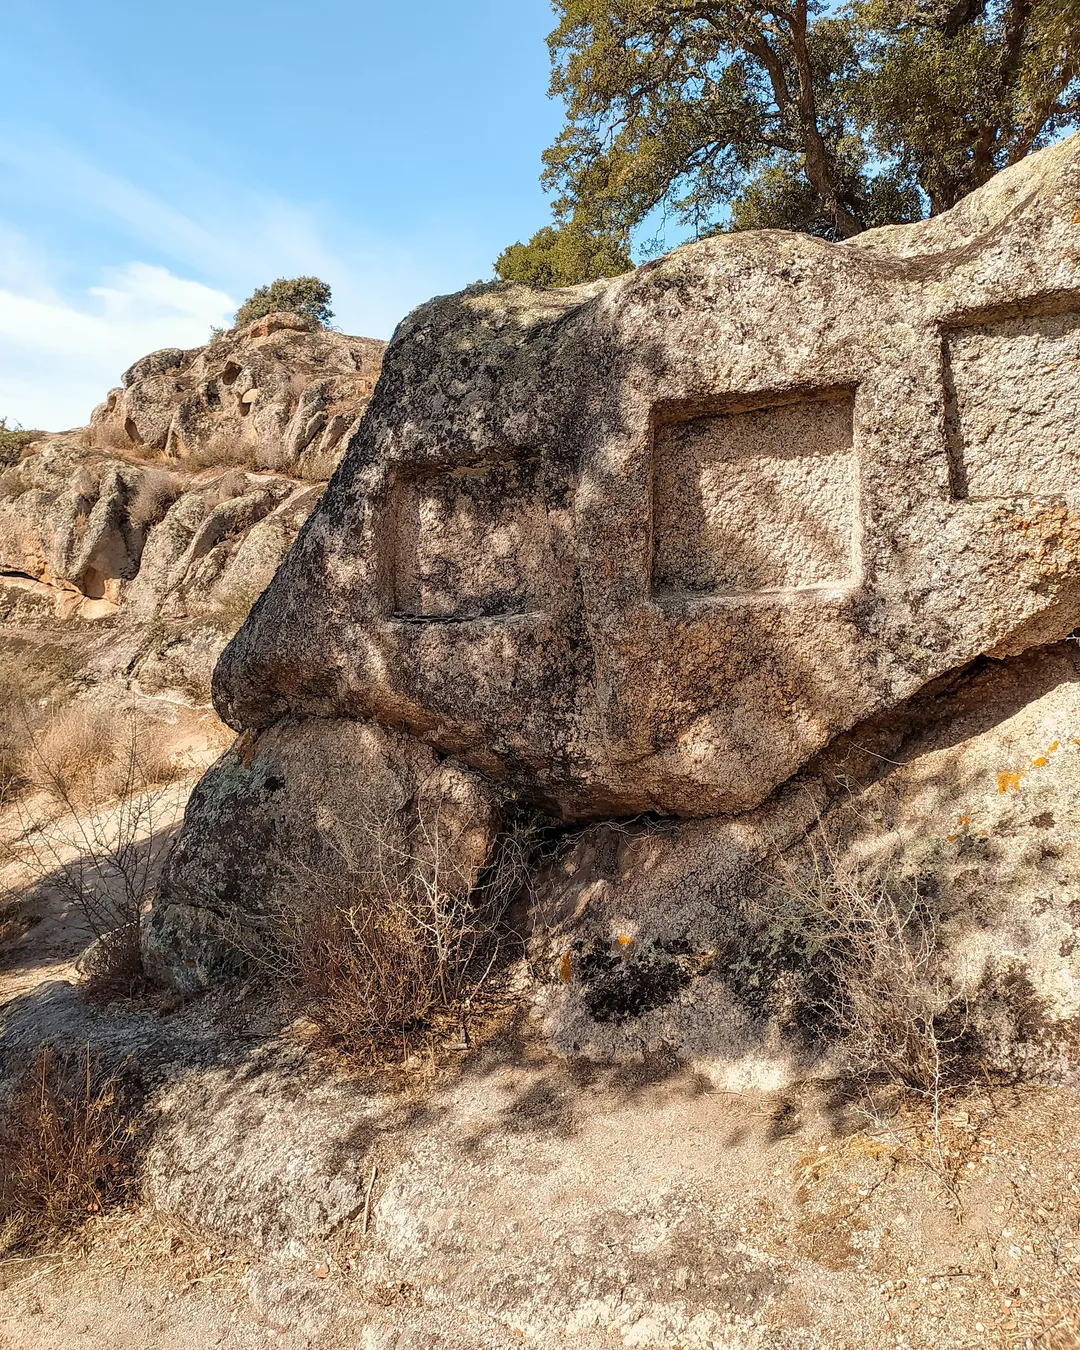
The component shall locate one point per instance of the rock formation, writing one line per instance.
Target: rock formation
(288, 390)
(649, 545)
(654, 544)
(171, 527)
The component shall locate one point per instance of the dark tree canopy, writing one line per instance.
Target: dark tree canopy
(794, 114)
(297, 295)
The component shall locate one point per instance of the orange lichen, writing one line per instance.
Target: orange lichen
(1009, 780)
(624, 939)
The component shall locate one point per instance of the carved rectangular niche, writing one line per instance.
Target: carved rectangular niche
(1013, 406)
(471, 542)
(753, 501)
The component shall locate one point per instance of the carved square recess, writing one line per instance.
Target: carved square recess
(1013, 406)
(756, 501)
(471, 542)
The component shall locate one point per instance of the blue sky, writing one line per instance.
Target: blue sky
(159, 161)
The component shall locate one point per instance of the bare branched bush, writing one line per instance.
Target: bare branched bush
(874, 946)
(68, 1143)
(386, 941)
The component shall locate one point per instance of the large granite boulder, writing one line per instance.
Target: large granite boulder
(281, 389)
(302, 809)
(649, 544)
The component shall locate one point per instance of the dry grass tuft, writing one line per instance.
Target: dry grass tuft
(317, 466)
(89, 797)
(68, 1141)
(154, 493)
(221, 452)
(86, 755)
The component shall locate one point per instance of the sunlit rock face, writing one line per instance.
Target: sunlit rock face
(650, 544)
(281, 391)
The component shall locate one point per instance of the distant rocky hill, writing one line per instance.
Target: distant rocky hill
(171, 511)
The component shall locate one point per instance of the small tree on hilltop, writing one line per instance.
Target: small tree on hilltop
(307, 296)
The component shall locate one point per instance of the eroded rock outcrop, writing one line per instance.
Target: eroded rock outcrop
(289, 390)
(658, 544)
(172, 511)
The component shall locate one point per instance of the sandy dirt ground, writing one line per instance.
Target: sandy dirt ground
(517, 1199)
(509, 1196)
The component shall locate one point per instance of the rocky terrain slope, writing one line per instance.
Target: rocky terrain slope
(747, 583)
(148, 534)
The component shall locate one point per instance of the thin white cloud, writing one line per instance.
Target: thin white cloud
(59, 356)
(62, 349)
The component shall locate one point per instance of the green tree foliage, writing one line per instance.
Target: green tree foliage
(297, 295)
(564, 257)
(795, 114)
(13, 441)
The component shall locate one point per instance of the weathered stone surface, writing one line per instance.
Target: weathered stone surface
(652, 543)
(176, 558)
(695, 937)
(281, 387)
(291, 811)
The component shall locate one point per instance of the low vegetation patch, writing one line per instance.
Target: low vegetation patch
(154, 493)
(867, 953)
(14, 439)
(385, 949)
(68, 1140)
(86, 788)
(221, 452)
(86, 755)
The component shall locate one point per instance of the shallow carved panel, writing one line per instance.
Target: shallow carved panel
(763, 500)
(1013, 414)
(471, 542)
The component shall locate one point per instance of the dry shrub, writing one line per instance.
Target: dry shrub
(16, 692)
(91, 835)
(155, 492)
(317, 466)
(13, 483)
(68, 1142)
(222, 451)
(111, 436)
(873, 945)
(86, 754)
(271, 455)
(386, 944)
(231, 485)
